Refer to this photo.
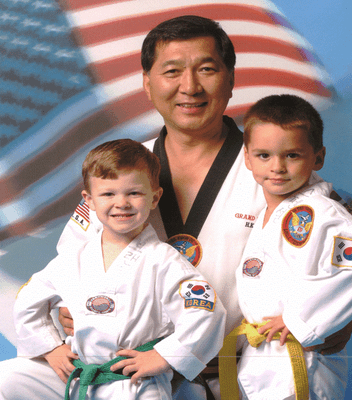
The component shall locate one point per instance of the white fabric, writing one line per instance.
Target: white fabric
(301, 284)
(144, 282)
(25, 379)
(222, 237)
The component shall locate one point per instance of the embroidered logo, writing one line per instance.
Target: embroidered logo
(342, 252)
(252, 267)
(198, 294)
(245, 216)
(81, 215)
(100, 304)
(297, 225)
(188, 246)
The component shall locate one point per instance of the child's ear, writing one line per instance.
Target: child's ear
(156, 197)
(246, 159)
(88, 199)
(319, 159)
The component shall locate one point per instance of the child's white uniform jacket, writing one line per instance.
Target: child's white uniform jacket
(149, 292)
(298, 266)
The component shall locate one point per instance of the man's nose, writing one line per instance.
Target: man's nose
(189, 83)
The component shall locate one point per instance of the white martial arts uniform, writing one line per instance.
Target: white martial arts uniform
(298, 266)
(150, 291)
(223, 237)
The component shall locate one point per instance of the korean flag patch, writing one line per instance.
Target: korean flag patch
(342, 252)
(198, 294)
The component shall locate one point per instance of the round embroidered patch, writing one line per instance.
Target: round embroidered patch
(297, 225)
(252, 267)
(188, 246)
(100, 304)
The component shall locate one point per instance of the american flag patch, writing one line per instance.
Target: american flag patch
(81, 215)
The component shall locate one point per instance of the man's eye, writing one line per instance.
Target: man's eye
(207, 69)
(292, 155)
(172, 71)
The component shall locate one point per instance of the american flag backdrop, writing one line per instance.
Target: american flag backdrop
(94, 91)
(70, 79)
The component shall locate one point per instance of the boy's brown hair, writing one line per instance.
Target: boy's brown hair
(289, 112)
(107, 160)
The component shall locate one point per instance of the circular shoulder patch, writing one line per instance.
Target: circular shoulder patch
(188, 246)
(100, 304)
(297, 225)
(252, 267)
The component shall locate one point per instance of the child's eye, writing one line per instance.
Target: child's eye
(263, 156)
(292, 155)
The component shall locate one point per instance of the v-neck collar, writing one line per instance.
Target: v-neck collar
(169, 209)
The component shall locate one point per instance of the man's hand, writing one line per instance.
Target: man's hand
(65, 319)
(275, 324)
(60, 361)
(141, 363)
(333, 343)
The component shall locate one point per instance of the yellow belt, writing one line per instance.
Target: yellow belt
(228, 363)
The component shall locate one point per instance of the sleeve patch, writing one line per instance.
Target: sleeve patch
(342, 252)
(81, 215)
(297, 225)
(198, 294)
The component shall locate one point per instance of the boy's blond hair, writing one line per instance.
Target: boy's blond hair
(107, 160)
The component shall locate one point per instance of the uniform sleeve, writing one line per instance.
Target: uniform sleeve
(320, 303)
(34, 325)
(197, 313)
(82, 226)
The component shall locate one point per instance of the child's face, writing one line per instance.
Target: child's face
(123, 204)
(281, 160)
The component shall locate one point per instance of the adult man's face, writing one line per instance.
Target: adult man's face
(189, 85)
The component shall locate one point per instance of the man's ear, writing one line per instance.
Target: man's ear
(232, 81)
(88, 199)
(156, 197)
(246, 159)
(319, 159)
(146, 84)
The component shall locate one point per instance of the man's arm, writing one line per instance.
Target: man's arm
(333, 343)
(81, 227)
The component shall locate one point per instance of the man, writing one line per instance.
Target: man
(210, 201)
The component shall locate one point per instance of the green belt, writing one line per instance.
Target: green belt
(94, 374)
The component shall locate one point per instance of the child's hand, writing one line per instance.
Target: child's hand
(275, 324)
(65, 319)
(143, 363)
(60, 361)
